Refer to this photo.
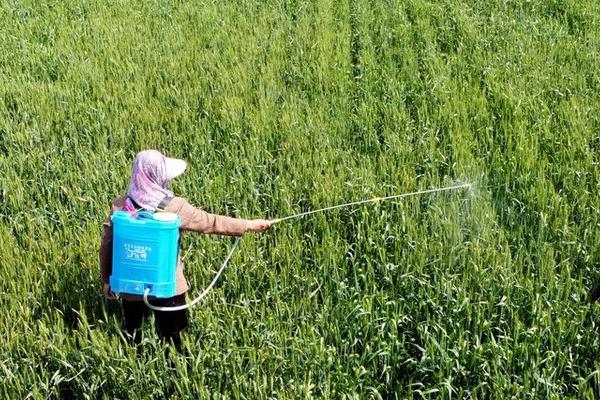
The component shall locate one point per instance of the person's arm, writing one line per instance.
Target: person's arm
(198, 220)
(105, 258)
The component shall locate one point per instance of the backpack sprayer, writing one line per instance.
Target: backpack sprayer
(145, 249)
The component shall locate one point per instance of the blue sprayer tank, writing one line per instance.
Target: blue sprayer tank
(145, 249)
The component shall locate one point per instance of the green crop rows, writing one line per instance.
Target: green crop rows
(285, 106)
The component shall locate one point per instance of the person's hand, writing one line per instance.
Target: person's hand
(108, 293)
(257, 225)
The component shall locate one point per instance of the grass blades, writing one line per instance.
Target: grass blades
(282, 107)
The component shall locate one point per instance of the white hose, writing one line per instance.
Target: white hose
(204, 293)
(275, 221)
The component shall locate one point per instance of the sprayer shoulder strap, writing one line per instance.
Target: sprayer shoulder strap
(162, 206)
(135, 204)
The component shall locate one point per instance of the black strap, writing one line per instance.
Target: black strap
(135, 204)
(164, 203)
(161, 206)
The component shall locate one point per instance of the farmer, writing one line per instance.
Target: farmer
(151, 174)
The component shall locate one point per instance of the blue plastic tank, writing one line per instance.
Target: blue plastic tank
(145, 248)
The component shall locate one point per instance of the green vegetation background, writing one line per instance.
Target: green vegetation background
(284, 106)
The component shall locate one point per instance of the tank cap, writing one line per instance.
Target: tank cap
(165, 216)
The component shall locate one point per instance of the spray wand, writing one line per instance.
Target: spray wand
(294, 216)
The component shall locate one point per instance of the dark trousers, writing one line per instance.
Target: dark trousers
(169, 324)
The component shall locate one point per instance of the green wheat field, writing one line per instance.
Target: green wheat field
(281, 107)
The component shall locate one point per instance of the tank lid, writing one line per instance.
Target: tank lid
(165, 216)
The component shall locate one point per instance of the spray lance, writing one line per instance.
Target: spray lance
(296, 216)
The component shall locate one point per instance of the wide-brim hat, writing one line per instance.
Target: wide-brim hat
(175, 167)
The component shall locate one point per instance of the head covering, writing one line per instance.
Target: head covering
(150, 176)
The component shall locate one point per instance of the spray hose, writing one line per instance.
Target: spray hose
(204, 293)
(300, 215)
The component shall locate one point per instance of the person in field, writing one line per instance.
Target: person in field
(150, 177)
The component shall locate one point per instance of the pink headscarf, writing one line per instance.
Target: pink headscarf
(149, 179)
